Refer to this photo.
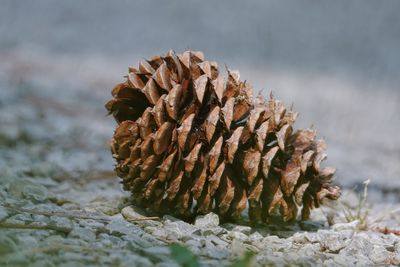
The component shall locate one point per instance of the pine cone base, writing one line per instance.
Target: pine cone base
(189, 141)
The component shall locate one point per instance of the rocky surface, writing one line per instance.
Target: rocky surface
(86, 222)
(60, 201)
(61, 204)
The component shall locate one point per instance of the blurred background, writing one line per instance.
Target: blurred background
(337, 61)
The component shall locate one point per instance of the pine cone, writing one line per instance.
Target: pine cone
(189, 141)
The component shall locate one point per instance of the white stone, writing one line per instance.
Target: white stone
(207, 221)
(238, 236)
(379, 255)
(346, 226)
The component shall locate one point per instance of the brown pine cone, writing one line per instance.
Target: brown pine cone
(189, 141)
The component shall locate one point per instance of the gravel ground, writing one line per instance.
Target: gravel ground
(60, 201)
(61, 204)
